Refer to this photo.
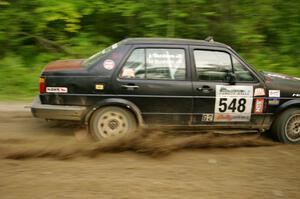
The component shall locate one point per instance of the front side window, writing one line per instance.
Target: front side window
(212, 65)
(155, 63)
(242, 74)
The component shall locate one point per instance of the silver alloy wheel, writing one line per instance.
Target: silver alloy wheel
(292, 128)
(112, 123)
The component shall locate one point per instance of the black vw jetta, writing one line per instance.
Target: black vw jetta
(176, 83)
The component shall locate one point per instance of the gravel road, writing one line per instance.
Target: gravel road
(39, 159)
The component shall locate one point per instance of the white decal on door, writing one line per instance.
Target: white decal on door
(233, 103)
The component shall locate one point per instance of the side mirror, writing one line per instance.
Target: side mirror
(231, 78)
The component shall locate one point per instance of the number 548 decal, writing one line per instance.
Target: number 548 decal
(233, 103)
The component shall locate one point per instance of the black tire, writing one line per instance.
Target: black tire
(111, 121)
(286, 128)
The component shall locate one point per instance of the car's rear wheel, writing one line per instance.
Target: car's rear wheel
(111, 121)
(286, 128)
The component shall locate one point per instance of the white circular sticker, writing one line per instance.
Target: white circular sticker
(108, 64)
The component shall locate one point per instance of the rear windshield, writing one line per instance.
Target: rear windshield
(92, 60)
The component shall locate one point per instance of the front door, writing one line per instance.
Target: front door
(156, 78)
(217, 100)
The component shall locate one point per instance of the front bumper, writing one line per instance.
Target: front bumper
(57, 112)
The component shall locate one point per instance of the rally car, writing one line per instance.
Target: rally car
(164, 82)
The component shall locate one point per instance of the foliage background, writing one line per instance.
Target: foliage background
(265, 32)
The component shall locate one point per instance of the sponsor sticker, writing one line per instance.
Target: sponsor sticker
(56, 89)
(223, 117)
(233, 103)
(259, 105)
(99, 86)
(296, 95)
(166, 57)
(231, 117)
(173, 58)
(273, 102)
(207, 117)
(109, 64)
(274, 93)
(259, 92)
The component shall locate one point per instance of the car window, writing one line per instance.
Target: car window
(135, 65)
(98, 56)
(242, 74)
(212, 65)
(155, 63)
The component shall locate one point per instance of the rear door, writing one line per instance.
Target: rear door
(218, 102)
(157, 79)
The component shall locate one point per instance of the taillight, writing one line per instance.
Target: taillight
(42, 85)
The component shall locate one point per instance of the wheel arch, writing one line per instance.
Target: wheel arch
(126, 104)
(285, 106)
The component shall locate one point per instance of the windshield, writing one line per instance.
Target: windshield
(98, 56)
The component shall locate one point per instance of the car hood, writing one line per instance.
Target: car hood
(278, 76)
(289, 86)
(63, 65)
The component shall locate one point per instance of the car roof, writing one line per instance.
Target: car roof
(172, 41)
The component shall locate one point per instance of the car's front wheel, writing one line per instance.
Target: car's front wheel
(286, 128)
(111, 121)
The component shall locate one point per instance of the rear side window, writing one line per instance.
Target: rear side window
(155, 63)
(212, 65)
(135, 65)
(114, 56)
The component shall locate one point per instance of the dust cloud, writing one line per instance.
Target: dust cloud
(23, 137)
(150, 143)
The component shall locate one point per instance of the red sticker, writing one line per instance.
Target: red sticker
(108, 64)
(259, 105)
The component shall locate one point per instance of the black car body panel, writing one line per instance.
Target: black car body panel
(186, 101)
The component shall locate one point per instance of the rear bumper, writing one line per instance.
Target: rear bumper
(57, 112)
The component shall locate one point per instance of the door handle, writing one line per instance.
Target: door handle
(129, 87)
(205, 89)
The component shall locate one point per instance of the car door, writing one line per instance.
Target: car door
(218, 99)
(157, 79)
